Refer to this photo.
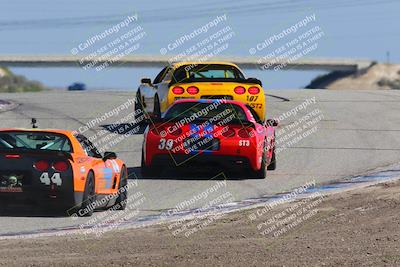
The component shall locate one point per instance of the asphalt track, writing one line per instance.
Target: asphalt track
(360, 131)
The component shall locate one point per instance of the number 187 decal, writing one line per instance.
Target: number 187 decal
(56, 178)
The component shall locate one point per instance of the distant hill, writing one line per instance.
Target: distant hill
(10, 83)
(376, 77)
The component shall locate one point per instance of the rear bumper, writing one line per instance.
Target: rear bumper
(42, 198)
(201, 161)
(33, 191)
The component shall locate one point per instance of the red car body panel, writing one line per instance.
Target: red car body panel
(249, 146)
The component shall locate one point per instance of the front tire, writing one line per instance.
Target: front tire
(146, 171)
(120, 202)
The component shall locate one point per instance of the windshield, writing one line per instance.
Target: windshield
(207, 72)
(213, 111)
(34, 141)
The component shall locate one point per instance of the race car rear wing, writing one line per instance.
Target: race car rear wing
(160, 120)
(34, 152)
(235, 80)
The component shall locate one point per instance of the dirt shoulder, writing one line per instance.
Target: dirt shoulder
(360, 227)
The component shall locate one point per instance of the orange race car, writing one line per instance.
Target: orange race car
(63, 169)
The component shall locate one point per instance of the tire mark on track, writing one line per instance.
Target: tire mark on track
(279, 97)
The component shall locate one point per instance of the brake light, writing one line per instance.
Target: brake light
(13, 156)
(253, 90)
(240, 90)
(60, 166)
(229, 133)
(192, 90)
(41, 165)
(178, 90)
(246, 133)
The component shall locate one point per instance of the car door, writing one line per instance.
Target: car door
(105, 172)
(148, 91)
(163, 88)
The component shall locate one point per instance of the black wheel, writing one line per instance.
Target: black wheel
(139, 111)
(157, 107)
(89, 196)
(120, 203)
(147, 171)
(272, 165)
(262, 172)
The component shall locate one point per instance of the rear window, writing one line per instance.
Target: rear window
(35, 141)
(206, 72)
(206, 111)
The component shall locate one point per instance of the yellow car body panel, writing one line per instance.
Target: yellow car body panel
(215, 89)
(158, 95)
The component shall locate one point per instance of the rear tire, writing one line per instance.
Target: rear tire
(157, 107)
(272, 164)
(262, 172)
(89, 196)
(146, 171)
(120, 202)
(139, 111)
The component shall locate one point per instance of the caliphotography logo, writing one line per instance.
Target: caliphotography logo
(212, 133)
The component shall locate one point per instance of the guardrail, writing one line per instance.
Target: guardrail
(160, 61)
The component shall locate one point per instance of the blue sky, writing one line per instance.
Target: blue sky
(352, 29)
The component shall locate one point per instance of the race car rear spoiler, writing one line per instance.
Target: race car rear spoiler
(159, 120)
(36, 152)
(234, 80)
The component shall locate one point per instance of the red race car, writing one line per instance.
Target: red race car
(213, 133)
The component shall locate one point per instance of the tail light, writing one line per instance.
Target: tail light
(178, 90)
(253, 90)
(229, 133)
(60, 166)
(192, 90)
(13, 156)
(246, 133)
(240, 90)
(41, 165)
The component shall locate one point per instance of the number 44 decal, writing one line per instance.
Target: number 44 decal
(56, 179)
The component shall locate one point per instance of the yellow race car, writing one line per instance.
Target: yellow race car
(198, 80)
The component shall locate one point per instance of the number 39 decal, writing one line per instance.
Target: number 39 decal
(56, 179)
(165, 144)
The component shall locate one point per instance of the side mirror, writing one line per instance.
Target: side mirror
(254, 80)
(109, 155)
(271, 122)
(146, 80)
